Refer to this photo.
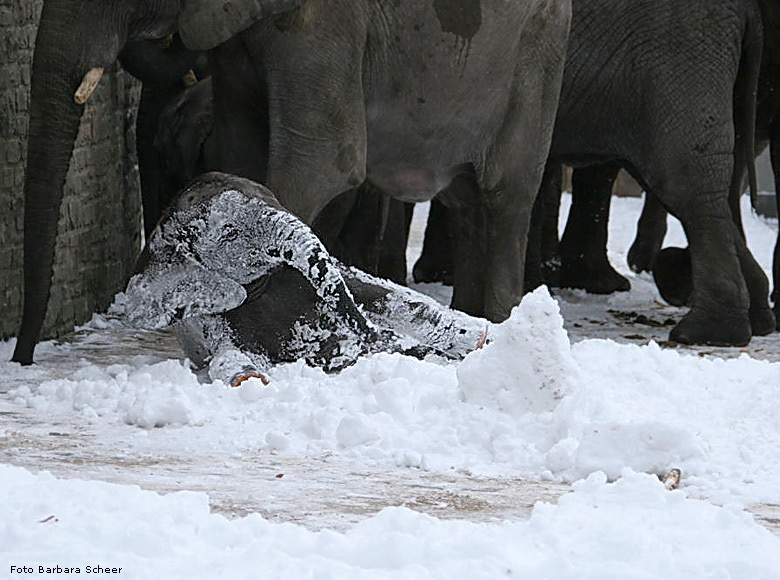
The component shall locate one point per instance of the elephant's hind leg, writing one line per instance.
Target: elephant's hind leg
(583, 247)
(719, 304)
(650, 233)
(435, 263)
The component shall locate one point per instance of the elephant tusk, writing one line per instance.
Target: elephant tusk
(189, 79)
(88, 85)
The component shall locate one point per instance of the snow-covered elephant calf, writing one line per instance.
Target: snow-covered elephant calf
(247, 285)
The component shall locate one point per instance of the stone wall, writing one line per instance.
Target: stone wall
(100, 218)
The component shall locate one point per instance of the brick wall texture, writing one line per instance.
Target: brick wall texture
(100, 219)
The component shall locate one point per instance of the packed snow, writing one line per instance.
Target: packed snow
(564, 393)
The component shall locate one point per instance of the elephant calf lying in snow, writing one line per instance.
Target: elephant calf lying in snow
(247, 285)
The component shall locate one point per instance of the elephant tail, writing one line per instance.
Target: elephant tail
(746, 103)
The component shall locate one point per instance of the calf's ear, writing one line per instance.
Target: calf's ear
(204, 24)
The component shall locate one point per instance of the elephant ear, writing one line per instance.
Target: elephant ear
(204, 24)
(163, 294)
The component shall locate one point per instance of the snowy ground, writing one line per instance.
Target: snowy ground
(536, 457)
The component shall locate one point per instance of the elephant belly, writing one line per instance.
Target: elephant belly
(410, 183)
(438, 93)
(412, 155)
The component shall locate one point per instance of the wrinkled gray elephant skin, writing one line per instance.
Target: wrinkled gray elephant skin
(651, 227)
(645, 89)
(395, 92)
(674, 119)
(247, 285)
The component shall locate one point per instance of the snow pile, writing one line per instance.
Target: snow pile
(528, 364)
(630, 529)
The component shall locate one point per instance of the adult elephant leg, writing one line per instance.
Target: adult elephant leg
(762, 319)
(583, 247)
(464, 214)
(691, 178)
(507, 202)
(717, 297)
(435, 263)
(490, 230)
(542, 262)
(513, 166)
(650, 233)
(507, 221)
(720, 301)
(392, 253)
(674, 277)
(316, 112)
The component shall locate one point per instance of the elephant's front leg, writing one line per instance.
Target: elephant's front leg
(316, 110)
(435, 263)
(508, 218)
(464, 215)
(491, 228)
(511, 172)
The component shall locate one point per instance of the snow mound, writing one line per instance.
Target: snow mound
(527, 366)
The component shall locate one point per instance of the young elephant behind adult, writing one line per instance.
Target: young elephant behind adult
(166, 68)
(661, 87)
(361, 227)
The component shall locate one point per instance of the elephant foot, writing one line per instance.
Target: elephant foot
(705, 327)
(426, 271)
(776, 311)
(762, 321)
(598, 279)
(22, 359)
(673, 275)
(23, 353)
(641, 256)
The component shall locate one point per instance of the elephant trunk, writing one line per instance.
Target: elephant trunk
(64, 53)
